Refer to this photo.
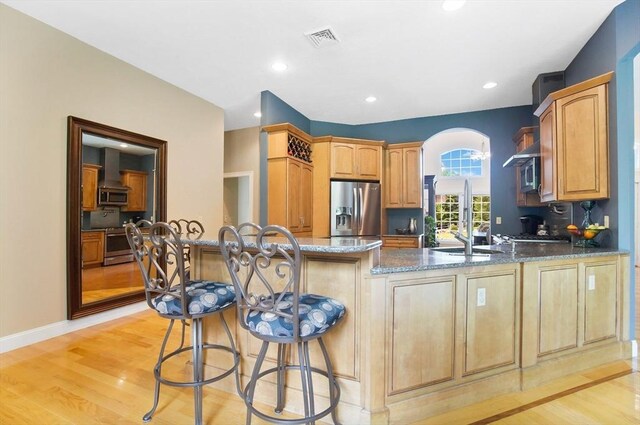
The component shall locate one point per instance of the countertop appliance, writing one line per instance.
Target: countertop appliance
(355, 208)
(530, 224)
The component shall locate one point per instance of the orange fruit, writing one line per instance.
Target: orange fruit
(572, 227)
(589, 234)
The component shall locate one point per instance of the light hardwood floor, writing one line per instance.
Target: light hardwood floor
(103, 282)
(103, 374)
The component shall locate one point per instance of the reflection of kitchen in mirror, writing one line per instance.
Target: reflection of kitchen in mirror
(118, 186)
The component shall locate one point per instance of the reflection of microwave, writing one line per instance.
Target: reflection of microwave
(530, 175)
(112, 196)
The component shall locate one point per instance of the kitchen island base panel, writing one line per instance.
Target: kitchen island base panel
(379, 377)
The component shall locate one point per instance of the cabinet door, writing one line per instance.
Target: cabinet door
(547, 148)
(393, 178)
(600, 302)
(558, 309)
(368, 162)
(89, 188)
(582, 143)
(137, 196)
(305, 195)
(420, 353)
(294, 182)
(343, 160)
(92, 248)
(491, 322)
(412, 177)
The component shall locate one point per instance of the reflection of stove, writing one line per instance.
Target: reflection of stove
(116, 247)
(538, 238)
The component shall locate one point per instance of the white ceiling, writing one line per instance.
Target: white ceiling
(417, 59)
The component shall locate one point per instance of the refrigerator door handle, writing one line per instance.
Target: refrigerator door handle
(360, 211)
(356, 210)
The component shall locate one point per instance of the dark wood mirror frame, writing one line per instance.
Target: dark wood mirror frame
(76, 127)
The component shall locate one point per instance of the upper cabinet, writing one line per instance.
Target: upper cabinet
(290, 179)
(574, 142)
(403, 175)
(136, 181)
(524, 139)
(354, 159)
(90, 187)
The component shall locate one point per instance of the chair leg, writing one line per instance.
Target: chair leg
(332, 380)
(196, 338)
(157, 371)
(303, 378)
(236, 355)
(254, 380)
(307, 364)
(280, 378)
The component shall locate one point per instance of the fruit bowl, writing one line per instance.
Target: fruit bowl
(586, 235)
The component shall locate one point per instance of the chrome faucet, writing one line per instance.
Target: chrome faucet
(466, 218)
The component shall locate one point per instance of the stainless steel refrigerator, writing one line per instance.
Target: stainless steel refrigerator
(355, 209)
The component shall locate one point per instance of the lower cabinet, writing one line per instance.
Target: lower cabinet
(92, 248)
(451, 328)
(571, 305)
(413, 241)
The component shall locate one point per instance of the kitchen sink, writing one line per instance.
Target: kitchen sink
(460, 250)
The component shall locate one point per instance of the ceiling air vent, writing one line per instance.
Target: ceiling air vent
(323, 37)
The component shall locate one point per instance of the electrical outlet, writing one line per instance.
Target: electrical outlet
(606, 221)
(591, 282)
(482, 297)
(498, 220)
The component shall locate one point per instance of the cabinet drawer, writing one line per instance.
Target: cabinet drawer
(405, 242)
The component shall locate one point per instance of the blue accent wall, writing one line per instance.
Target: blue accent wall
(612, 48)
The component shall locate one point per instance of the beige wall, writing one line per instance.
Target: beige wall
(242, 154)
(46, 75)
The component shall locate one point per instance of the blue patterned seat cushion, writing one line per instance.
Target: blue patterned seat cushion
(317, 315)
(203, 297)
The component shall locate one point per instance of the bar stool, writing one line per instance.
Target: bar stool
(162, 261)
(286, 317)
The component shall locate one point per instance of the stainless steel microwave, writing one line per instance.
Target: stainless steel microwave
(112, 196)
(530, 175)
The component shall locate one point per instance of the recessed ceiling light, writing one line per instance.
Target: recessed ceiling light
(279, 66)
(371, 99)
(124, 145)
(451, 5)
(490, 85)
(258, 114)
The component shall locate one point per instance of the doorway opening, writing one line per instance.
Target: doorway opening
(452, 156)
(238, 198)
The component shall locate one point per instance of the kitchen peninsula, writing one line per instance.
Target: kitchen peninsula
(428, 331)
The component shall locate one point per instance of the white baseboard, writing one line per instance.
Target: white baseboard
(31, 336)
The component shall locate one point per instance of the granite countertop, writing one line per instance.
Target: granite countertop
(319, 245)
(409, 260)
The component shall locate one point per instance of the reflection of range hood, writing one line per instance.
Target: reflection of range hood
(523, 156)
(111, 170)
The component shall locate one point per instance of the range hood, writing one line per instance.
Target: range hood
(523, 156)
(111, 170)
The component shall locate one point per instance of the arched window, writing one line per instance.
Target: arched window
(461, 163)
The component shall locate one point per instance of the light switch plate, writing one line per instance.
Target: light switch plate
(591, 282)
(482, 297)
(498, 220)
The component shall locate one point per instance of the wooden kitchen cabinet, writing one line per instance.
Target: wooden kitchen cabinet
(353, 159)
(574, 142)
(92, 248)
(90, 186)
(290, 179)
(572, 305)
(524, 139)
(403, 175)
(136, 181)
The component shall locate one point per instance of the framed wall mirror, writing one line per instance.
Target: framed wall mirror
(114, 176)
